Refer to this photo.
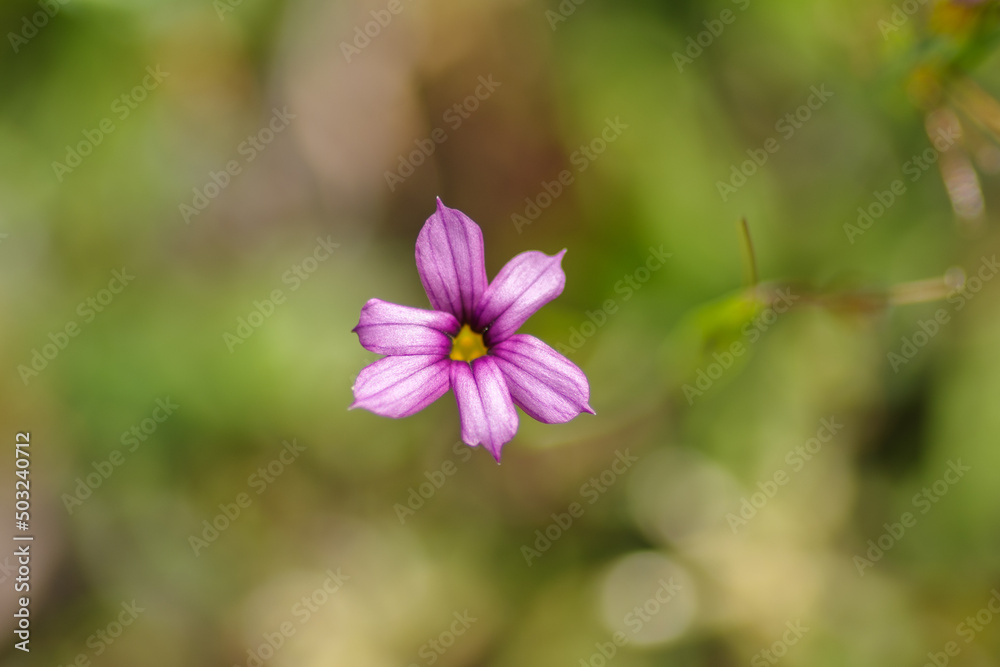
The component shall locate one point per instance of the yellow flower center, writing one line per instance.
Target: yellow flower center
(468, 345)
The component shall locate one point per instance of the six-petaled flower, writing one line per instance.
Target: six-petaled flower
(469, 342)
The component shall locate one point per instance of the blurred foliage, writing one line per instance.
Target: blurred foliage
(422, 527)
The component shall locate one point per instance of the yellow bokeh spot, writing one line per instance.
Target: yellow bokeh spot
(468, 345)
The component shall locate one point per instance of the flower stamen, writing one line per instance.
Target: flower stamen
(468, 345)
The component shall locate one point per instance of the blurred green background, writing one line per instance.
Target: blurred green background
(166, 167)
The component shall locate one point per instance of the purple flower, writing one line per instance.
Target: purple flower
(469, 342)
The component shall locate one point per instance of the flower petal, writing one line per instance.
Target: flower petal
(484, 404)
(388, 328)
(543, 383)
(450, 262)
(524, 284)
(401, 386)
